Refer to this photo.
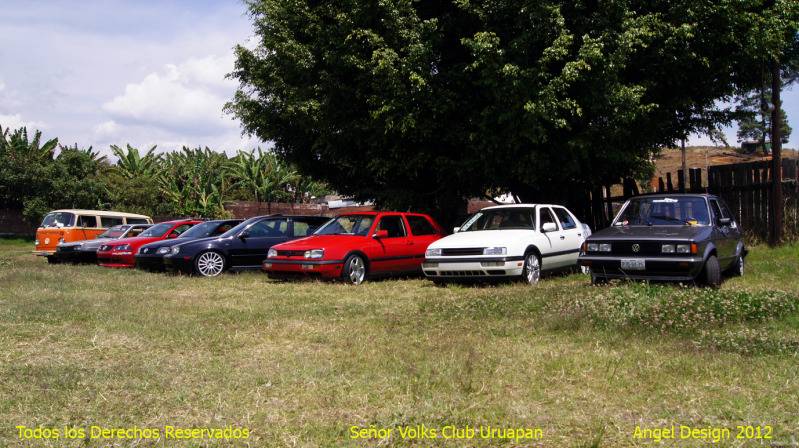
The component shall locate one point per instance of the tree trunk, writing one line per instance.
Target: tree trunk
(684, 164)
(775, 234)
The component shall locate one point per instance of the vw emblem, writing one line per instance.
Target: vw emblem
(636, 247)
(145, 250)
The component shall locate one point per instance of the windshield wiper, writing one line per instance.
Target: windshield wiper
(666, 218)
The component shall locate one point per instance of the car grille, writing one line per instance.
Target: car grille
(105, 247)
(291, 253)
(644, 247)
(452, 252)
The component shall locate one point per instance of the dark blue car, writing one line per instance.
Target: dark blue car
(151, 256)
(242, 247)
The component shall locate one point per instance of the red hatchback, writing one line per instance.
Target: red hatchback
(122, 253)
(356, 245)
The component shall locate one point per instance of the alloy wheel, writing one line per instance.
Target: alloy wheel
(210, 264)
(532, 269)
(356, 270)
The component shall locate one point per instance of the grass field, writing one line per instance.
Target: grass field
(300, 363)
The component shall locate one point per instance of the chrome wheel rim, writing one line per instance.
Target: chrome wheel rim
(532, 269)
(357, 270)
(210, 264)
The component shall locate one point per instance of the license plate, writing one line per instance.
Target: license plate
(634, 264)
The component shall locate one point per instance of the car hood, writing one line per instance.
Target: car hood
(135, 241)
(651, 232)
(95, 243)
(321, 242)
(179, 242)
(481, 238)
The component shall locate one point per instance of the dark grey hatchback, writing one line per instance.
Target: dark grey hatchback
(671, 237)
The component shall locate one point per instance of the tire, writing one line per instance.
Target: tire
(354, 271)
(597, 280)
(531, 272)
(439, 281)
(209, 264)
(712, 272)
(738, 267)
(53, 260)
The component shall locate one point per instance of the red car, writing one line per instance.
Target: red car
(122, 253)
(356, 245)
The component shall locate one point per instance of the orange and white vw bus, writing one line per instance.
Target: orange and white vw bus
(61, 226)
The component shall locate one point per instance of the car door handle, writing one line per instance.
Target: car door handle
(562, 237)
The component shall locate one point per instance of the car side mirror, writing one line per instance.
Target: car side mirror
(243, 235)
(724, 221)
(549, 227)
(456, 230)
(380, 234)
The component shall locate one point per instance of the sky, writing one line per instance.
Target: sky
(147, 73)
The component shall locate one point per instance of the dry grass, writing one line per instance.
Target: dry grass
(299, 363)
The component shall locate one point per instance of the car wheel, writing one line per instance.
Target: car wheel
(597, 280)
(531, 272)
(53, 260)
(354, 269)
(737, 268)
(712, 272)
(209, 264)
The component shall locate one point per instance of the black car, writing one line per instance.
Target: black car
(86, 251)
(676, 237)
(242, 247)
(150, 257)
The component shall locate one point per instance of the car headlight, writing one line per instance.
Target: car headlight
(495, 251)
(272, 253)
(667, 248)
(164, 250)
(60, 240)
(36, 243)
(174, 250)
(432, 253)
(123, 247)
(604, 247)
(598, 247)
(688, 248)
(315, 253)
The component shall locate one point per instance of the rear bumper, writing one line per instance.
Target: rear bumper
(286, 267)
(656, 268)
(473, 267)
(150, 262)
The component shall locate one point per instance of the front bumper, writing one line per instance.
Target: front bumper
(116, 259)
(77, 256)
(150, 262)
(483, 267)
(286, 267)
(179, 263)
(43, 253)
(656, 268)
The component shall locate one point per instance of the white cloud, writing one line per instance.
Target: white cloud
(2, 85)
(184, 97)
(106, 129)
(15, 121)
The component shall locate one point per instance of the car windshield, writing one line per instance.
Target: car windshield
(241, 226)
(347, 225)
(114, 232)
(501, 219)
(157, 230)
(58, 219)
(658, 211)
(201, 230)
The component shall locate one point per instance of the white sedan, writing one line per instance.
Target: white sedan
(519, 240)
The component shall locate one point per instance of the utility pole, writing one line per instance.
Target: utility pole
(776, 205)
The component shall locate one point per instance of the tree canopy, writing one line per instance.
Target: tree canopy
(422, 103)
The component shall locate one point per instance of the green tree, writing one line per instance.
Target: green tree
(424, 103)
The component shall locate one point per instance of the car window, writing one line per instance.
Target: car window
(500, 219)
(546, 216)
(725, 211)
(393, 225)
(715, 210)
(301, 228)
(565, 218)
(137, 221)
(268, 228)
(223, 228)
(180, 229)
(56, 219)
(136, 231)
(420, 225)
(110, 221)
(347, 225)
(87, 221)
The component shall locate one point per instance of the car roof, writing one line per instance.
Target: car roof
(80, 211)
(378, 212)
(673, 195)
(493, 207)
